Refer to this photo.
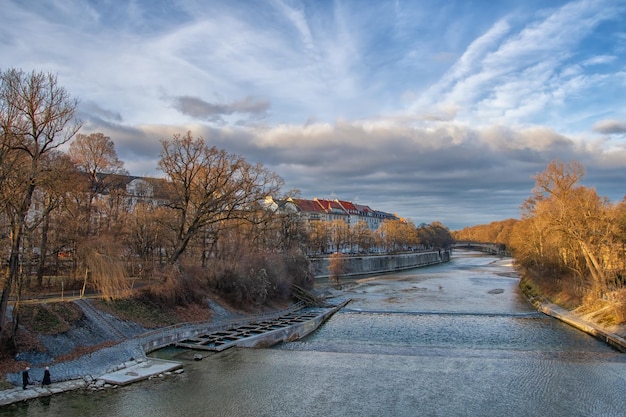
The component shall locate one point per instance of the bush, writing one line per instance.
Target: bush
(298, 269)
(176, 288)
(259, 278)
(336, 266)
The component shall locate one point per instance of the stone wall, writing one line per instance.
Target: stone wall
(375, 264)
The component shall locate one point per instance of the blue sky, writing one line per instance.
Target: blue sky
(437, 111)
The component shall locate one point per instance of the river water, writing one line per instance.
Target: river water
(449, 340)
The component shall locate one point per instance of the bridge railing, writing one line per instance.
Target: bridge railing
(487, 247)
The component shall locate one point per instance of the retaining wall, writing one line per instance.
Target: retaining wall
(378, 264)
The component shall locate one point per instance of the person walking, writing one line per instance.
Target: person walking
(25, 377)
(46, 377)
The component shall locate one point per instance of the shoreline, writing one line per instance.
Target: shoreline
(132, 363)
(599, 332)
(133, 371)
(94, 371)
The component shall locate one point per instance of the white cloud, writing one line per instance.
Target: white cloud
(364, 102)
(510, 76)
(599, 60)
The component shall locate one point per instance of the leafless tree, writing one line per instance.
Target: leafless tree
(208, 186)
(50, 197)
(569, 227)
(319, 236)
(36, 117)
(363, 237)
(95, 155)
(339, 233)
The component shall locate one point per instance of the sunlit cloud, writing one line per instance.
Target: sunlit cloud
(436, 113)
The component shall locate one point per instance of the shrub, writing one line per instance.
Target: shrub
(175, 288)
(257, 278)
(336, 266)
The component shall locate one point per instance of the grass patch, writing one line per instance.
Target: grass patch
(148, 315)
(529, 289)
(6, 385)
(50, 318)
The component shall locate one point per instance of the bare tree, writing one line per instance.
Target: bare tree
(339, 232)
(95, 155)
(208, 186)
(50, 196)
(584, 221)
(36, 117)
(319, 236)
(336, 267)
(363, 236)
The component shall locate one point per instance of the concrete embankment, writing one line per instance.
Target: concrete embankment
(95, 370)
(577, 322)
(130, 372)
(379, 264)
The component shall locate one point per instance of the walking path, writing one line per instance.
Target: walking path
(132, 372)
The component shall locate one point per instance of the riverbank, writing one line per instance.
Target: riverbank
(95, 370)
(614, 336)
(91, 367)
(585, 321)
(355, 266)
(128, 373)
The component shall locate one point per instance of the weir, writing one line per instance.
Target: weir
(265, 333)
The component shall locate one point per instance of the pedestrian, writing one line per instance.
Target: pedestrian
(25, 377)
(46, 377)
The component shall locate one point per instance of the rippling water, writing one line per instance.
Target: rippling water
(448, 340)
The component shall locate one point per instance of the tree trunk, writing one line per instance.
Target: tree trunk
(14, 265)
(14, 258)
(596, 270)
(43, 249)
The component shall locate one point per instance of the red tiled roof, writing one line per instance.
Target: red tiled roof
(347, 205)
(330, 205)
(307, 205)
(364, 209)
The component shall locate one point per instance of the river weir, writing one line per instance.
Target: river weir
(455, 339)
(264, 333)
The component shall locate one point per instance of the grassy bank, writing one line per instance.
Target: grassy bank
(607, 314)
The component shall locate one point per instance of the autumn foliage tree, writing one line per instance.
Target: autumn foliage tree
(571, 236)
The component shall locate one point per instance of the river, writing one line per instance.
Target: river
(455, 339)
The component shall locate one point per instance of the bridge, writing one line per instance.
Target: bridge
(491, 248)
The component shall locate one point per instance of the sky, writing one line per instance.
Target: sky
(435, 111)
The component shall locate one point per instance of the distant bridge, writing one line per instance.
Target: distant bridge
(492, 248)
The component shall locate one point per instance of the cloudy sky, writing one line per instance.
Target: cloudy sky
(437, 111)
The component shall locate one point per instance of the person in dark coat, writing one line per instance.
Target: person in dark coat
(25, 377)
(46, 377)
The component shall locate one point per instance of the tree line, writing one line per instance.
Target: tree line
(391, 236)
(570, 241)
(66, 219)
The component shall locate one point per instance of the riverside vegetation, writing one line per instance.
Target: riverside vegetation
(569, 245)
(70, 228)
